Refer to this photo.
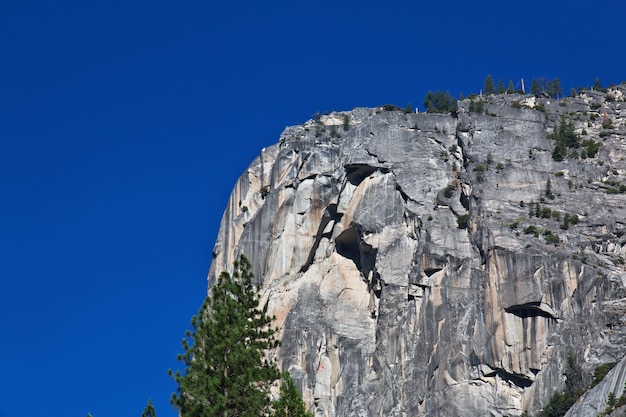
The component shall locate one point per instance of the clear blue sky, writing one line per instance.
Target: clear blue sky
(124, 125)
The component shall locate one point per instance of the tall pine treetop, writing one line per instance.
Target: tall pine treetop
(227, 372)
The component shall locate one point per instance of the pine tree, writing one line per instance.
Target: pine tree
(534, 87)
(547, 86)
(225, 373)
(556, 88)
(511, 87)
(597, 85)
(490, 86)
(149, 411)
(290, 403)
(501, 89)
(440, 102)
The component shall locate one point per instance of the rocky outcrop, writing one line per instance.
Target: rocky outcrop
(439, 265)
(595, 401)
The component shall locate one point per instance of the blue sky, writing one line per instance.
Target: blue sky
(124, 126)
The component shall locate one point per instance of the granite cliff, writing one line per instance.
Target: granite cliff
(442, 265)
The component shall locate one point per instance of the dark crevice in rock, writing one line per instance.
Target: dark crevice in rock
(518, 380)
(356, 173)
(331, 210)
(404, 196)
(378, 291)
(461, 145)
(310, 177)
(350, 245)
(329, 215)
(430, 271)
(464, 200)
(532, 309)
(347, 245)
(370, 153)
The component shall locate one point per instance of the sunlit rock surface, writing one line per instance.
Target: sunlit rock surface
(408, 270)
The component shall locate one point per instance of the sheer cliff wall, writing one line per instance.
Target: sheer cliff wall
(439, 265)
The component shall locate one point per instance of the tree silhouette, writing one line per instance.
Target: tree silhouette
(556, 88)
(149, 411)
(534, 87)
(511, 87)
(489, 87)
(440, 102)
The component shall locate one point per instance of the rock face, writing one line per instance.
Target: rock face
(439, 265)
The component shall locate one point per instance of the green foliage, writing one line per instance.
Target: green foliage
(564, 139)
(574, 375)
(449, 190)
(290, 403)
(615, 187)
(462, 221)
(489, 87)
(346, 122)
(590, 147)
(597, 85)
(225, 372)
(556, 90)
(558, 405)
(476, 106)
(534, 87)
(600, 372)
(545, 212)
(440, 102)
(480, 172)
(500, 87)
(511, 87)
(390, 107)
(567, 220)
(529, 230)
(149, 411)
(552, 238)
